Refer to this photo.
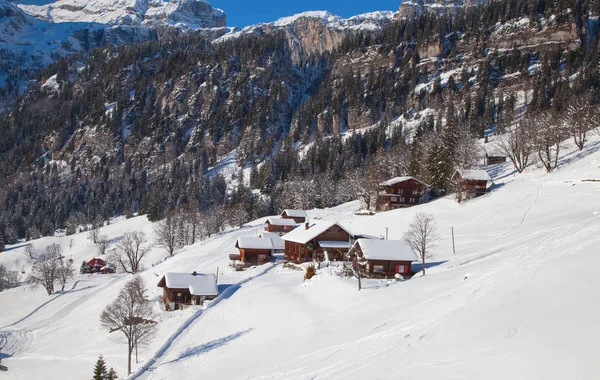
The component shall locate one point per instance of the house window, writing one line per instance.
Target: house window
(377, 268)
(413, 200)
(401, 269)
(399, 191)
(394, 199)
(262, 257)
(402, 199)
(415, 192)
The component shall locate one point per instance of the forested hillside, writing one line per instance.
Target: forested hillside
(140, 128)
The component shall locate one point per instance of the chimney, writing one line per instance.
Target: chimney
(306, 225)
(194, 273)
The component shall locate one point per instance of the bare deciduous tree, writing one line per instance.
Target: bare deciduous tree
(166, 233)
(93, 234)
(102, 244)
(549, 134)
(30, 251)
(45, 269)
(65, 272)
(132, 315)
(130, 251)
(517, 144)
(578, 119)
(421, 236)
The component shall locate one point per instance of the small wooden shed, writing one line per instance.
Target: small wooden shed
(280, 225)
(299, 216)
(182, 289)
(255, 250)
(385, 258)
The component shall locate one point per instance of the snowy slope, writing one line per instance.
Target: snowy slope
(516, 301)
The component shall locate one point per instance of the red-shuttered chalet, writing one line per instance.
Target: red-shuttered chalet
(280, 225)
(383, 258)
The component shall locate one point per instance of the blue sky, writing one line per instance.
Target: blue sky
(246, 12)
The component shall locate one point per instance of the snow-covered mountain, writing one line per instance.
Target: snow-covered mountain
(185, 13)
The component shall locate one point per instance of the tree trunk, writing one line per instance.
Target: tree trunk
(129, 351)
(423, 263)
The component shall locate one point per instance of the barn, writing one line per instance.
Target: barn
(317, 240)
(278, 224)
(254, 250)
(299, 216)
(400, 192)
(184, 289)
(470, 183)
(384, 258)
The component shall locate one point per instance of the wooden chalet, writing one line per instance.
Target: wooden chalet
(253, 250)
(384, 258)
(97, 265)
(281, 225)
(299, 216)
(400, 192)
(183, 289)
(278, 244)
(317, 241)
(493, 159)
(470, 183)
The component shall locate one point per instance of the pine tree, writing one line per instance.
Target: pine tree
(112, 374)
(100, 369)
(1, 242)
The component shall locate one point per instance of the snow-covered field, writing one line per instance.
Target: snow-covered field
(518, 300)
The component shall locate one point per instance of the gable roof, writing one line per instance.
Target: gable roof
(199, 284)
(377, 249)
(473, 175)
(252, 242)
(295, 213)
(315, 228)
(278, 221)
(396, 180)
(96, 262)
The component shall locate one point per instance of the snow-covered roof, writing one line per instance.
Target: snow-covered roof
(474, 175)
(303, 235)
(278, 221)
(377, 249)
(295, 213)
(265, 234)
(251, 242)
(335, 244)
(199, 284)
(396, 180)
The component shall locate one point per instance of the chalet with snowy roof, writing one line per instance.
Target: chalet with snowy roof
(278, 244)
(470, 183)
(317, 240)
(183, 289)
(281, 225)
(97, 265)
(299, 216)
(493, 155)
(253, 250)
(400, 192)
(383, 258)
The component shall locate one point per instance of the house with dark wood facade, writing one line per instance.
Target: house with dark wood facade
(278, 224)
(400, 192)
(97, 265)
(470, 183)
(183, 289)
(384, 258)
(253, 250)
(299, 216)
(317, 240)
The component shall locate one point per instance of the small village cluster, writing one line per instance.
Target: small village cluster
(302, 240)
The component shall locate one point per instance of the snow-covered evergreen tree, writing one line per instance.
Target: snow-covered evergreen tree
(100, 369)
